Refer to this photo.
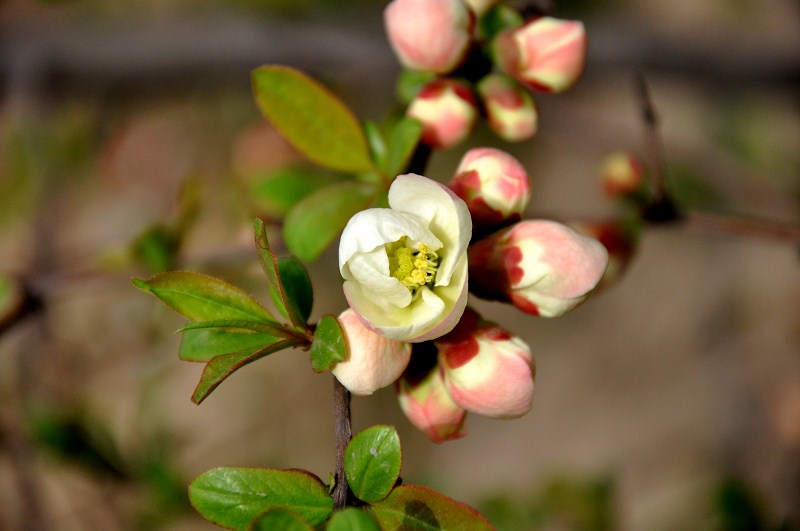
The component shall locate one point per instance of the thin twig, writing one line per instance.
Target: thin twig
(344, 433)
(744, 226)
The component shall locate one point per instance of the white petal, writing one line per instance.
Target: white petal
(375, 227)
(441, 210)
(371, 270)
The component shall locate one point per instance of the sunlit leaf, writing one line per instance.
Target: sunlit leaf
(233, 497)
(203, 298)
(269, 263)
(311, 118)
(403, 140)
(318, 219)
(280, 519)
(329, 346)
(297, 287)
(377, 144)
(372, 462)
(207, 343)
(419, 508)
(352, 519)
(220, 367)
(274, 193)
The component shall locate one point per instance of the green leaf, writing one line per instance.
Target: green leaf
(203, 298)
(352, 519)
(414, 508)
(274, 329)
(276, 192)
(280, 519)
(296, 286)
(220, 367)
(372, 462)
(403, 141)
(377, 145)
(329, 346)
(410, 82)
(286, 305)
(318, 219)
(232, 497)
(311, 118)
(207, 343)
(498, 19)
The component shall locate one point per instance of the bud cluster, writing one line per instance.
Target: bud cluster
(412, 326)
(481, 56)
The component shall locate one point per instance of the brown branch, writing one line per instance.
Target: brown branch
(344, 433)
(743, 226)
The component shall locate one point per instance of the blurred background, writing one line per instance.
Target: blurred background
(130, 143)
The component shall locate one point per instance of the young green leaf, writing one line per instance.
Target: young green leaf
(233, 497)
(297, 287)
(203, 298)
(280, 519)
(275, 329)
(220, 367)
(269, 263)
(318, 219)
(403, 140)
(372, 462)
(311, 118)
(420, 508)
(205, 344)
(275, 192)
(329, 346)
(352, 519)
(377, 145)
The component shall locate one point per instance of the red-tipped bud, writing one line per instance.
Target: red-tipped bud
(447, 110)
(542, 267)
(619, 241)
(487, 370)
(510, 109)
(494, 185)
(621, 174)
(424, 400)
(374, 361)
(545, 53)
(431, 35)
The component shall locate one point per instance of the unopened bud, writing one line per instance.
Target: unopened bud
(487, 370)
(621, 174)
(542, 267)
(424, 399)
(510, 109)
(431, 35)
(374, 361)
(494, 185)
(447, 110)
(545, 53)
(618, 239)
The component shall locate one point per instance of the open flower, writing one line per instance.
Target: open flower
(374, 361)
(405, 267)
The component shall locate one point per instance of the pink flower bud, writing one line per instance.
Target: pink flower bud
(447, 110)
(621, 174)
(374, 361)
(510, 109)
(494, 185)
(487, 370)
(424, 400)
(431, 35)
(545, 53)
(541, 267)
(619, 241)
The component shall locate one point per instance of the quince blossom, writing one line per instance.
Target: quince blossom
(405, 267)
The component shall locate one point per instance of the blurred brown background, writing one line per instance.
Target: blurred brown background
(669, 401)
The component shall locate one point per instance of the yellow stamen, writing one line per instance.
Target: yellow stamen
(413, 269)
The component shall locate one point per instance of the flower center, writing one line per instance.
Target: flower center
(413, 268)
